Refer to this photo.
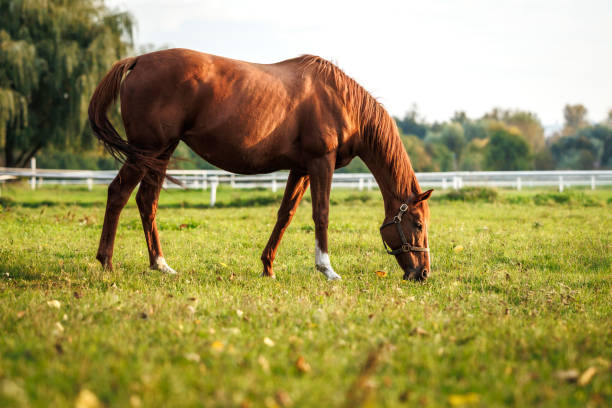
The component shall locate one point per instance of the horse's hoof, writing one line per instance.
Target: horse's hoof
(334, 277)
(268, 275)
(162, 266)
(329, 273)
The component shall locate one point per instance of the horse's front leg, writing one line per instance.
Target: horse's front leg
(297, 184)
(321, 172)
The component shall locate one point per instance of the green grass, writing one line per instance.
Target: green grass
(529, 296)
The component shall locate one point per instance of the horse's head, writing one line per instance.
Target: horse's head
(404, 234)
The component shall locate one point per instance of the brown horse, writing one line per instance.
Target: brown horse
(302, 114)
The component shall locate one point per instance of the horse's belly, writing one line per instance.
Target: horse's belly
(232, 155)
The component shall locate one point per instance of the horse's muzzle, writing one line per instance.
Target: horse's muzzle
(415, 274)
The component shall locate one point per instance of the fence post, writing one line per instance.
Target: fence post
(214, 183)
(444, 183)
(519, 184)
(33, 167)
(90, 184)
(360, 183)
(560, 184)
(274, 184)
(233, 180)
(369, 183)
(592, 182)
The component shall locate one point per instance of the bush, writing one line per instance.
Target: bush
(570, 197)
(472, 194)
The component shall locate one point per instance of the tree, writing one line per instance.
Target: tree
(453, 137)
(419, 157)
(575, 118)
(472, 158)
(529, 126)
(411, 124)
(589, 148)
(527, 123)
(52, 55)
(507, 149)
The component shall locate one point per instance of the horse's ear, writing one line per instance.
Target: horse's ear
(423, 196)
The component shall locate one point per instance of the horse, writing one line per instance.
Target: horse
(303, 114)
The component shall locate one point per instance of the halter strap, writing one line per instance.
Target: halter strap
(405, 247)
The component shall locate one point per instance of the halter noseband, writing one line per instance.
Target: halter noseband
(406, 247)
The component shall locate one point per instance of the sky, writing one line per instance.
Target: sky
(440, 55)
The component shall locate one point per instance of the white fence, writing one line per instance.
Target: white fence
(210, 179)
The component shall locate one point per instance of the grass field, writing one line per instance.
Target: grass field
(518, 311)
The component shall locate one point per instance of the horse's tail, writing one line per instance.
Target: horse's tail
(104, 96)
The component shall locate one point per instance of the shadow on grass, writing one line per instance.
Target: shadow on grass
(22, 273)
(235, 203)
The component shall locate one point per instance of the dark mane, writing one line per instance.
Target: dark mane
(377, 127)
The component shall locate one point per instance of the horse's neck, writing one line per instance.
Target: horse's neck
(395, 186)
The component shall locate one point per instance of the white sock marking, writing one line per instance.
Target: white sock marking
(162, 266)
(323, 264)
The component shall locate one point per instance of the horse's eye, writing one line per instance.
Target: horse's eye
(418, 226)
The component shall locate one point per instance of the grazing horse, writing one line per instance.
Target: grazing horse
(302, 114)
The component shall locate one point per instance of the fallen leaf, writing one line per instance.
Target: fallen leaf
(602, 362)
(463, 399)
(191, 309)
(458, 248)
(302, 365)
(567, 375)
(223, 264)
(282, 398)
(87, 399)
(587, 376)
(182, 226)
(264, 364)
(55, 304)
(381, 274)
(135, 401)
(420, 331)
(268, 342)
(192, 357)
(217, 345)
(20, 314)
(77, 295)
(239, 313)
(58, 329)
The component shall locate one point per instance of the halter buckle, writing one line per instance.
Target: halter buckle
(403, 208)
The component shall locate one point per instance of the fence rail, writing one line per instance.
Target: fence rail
(210, 179)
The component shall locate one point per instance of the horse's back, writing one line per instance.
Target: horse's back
(241, 116)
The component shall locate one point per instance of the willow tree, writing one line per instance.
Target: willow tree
(52, 55)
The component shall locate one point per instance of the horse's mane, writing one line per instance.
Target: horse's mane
(377, 127)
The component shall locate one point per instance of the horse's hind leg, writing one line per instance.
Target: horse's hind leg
(147, 198)
(294, 191)
(119, 192)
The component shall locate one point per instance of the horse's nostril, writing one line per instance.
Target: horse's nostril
(424, 274)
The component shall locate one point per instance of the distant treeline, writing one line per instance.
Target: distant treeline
(53, 53)
(505, 140)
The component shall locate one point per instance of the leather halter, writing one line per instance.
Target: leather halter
(406, 247)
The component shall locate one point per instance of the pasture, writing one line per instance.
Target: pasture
(518, 311)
